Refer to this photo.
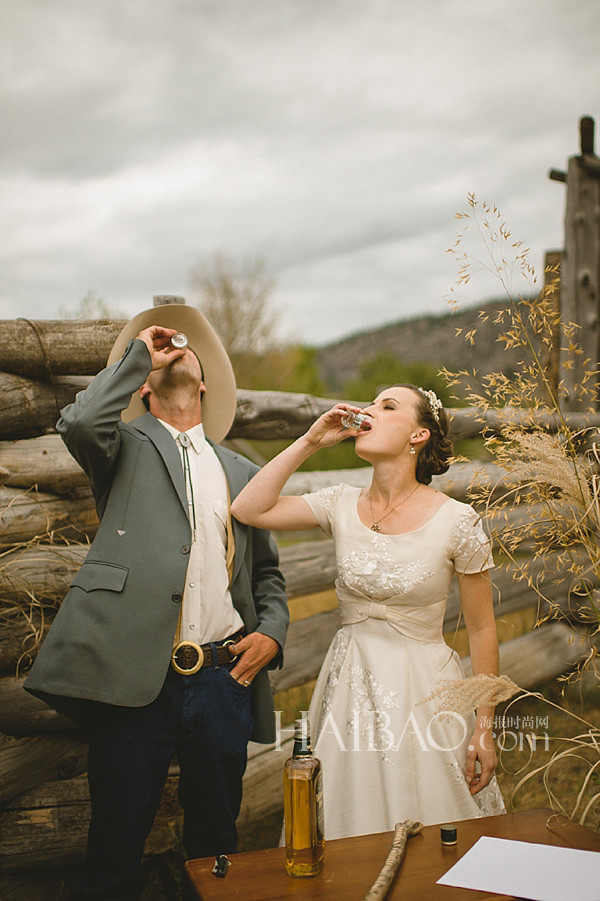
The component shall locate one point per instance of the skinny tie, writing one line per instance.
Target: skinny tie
(185, 442)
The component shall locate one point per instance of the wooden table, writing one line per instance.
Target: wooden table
(352, 864)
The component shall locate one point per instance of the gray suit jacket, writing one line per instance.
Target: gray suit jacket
(112, 638)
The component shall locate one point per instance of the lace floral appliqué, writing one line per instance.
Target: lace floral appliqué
(368, 722)
(339, 648)
(377, 575)
(470, 545)
(370, 718)
(328, 497)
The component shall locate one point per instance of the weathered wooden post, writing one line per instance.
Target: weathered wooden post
(580, 270)
(552, 274)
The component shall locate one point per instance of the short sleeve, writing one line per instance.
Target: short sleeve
(471, 547)
(323, 503)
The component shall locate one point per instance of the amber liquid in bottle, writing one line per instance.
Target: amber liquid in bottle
(303, 807)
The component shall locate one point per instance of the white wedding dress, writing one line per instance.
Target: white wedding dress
(386, 756)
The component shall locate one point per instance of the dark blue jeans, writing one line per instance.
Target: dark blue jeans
(205, 720)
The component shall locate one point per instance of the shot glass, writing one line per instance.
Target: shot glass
(356, 421)
(179, 341)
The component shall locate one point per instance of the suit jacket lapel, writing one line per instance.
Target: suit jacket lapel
(235, 473)
(163, 441)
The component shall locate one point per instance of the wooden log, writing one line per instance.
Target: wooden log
(44, 347)
(47, 825)
(45, 571)
(42, 570)
(308, 567)
(308, 639)
(26, 762)
(456, 483)
(44, 463)
(31, 407)
(538, 657)
(21, 714)
(263, 779)
(306, 645)
(41, 885)
(29, 514)
(276, 414)
(17, 641)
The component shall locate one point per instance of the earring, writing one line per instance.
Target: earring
(412, 450)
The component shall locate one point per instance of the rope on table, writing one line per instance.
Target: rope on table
(402, 832)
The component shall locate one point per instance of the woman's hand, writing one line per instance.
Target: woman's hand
(261, 503)
(481, 748)
(328, 430)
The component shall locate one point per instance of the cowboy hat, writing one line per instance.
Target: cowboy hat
(219, 402)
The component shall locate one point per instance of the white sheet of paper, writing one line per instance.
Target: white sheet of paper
(527, 870)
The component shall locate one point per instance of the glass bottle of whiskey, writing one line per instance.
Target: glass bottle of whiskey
(303, 807)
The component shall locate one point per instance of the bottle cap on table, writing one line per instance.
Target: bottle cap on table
(448, 834)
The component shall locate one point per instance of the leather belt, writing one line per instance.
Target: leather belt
(188, 657)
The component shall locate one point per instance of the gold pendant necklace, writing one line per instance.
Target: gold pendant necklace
(375, 526)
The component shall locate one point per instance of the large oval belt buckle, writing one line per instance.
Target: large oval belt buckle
(187, 658)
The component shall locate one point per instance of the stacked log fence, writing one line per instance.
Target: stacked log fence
(48, 520)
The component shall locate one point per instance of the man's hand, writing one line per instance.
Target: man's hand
(255, 651)
(158, 341)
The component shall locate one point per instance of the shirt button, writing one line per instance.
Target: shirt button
(176, 598)
(192, 584)
(185, 549)
(192, 626)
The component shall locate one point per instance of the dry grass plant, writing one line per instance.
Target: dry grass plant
(28, 605)
(567, 764)
(546, 523)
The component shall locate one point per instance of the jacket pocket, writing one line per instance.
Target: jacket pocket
(104, 576)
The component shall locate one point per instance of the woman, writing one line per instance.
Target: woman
(387, 753)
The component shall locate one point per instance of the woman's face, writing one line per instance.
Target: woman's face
(394, 423)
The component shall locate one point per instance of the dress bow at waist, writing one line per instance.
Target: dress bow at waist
(423, 623)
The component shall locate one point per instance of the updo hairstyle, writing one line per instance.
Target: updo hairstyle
(433, 456)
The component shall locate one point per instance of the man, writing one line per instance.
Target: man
(162, 642)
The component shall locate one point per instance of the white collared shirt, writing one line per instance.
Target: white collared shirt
(207, 613)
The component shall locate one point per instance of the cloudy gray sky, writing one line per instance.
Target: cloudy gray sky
(334, 139)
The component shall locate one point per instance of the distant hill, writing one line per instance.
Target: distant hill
(425, 339)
